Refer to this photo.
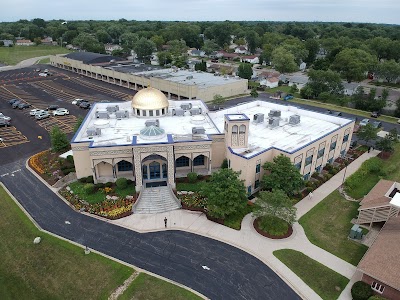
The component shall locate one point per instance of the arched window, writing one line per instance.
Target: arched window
(164, 171)
(242, 129)
(199, 160)
(144, 171)
(124, 165)
(182, 161)
(235, 129)
(154, 168)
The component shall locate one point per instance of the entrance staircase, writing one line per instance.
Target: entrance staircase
(156, 200)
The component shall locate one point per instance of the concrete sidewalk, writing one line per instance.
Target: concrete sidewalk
(250, 241)
(23, 64)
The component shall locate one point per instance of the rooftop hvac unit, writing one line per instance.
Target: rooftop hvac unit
(198, 130)
(102, 114)
(189, 77)
(258, 118)
(274, 113)
(195, 111)
(112, 108)
(93, 131)
(294, 120)
(155, 122)
(273, 122)
(122, 114)
(178, 112)
(186, 106)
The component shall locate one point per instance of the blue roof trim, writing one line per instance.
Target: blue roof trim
(134, 140)
(80, 127)
(227, 117)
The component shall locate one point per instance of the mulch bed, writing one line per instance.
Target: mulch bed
(270, 236)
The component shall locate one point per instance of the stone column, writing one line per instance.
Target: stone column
(138, 169)
(171, 166)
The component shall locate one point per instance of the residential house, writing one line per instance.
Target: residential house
(24, 43)
(220, 69)
(195, 52)
(7, 43)
(47, 41)
(111, 47)
(271, 82)
(227, 55)
(299, 80)
(253, 59)
(381, 264)
(241, 50)
(350, 88)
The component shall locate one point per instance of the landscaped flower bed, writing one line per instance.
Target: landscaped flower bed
(112, 208)
(192, 200)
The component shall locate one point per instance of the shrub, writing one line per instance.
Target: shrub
(273, 225)
(108, 184)
(67, 171)
(121, 183)
(70, 159)
(192, 177)
(99, 186)
(361, 291)
(129, 181)
(200, 177)
(374, 165)
(89, 179)
(82, 180)
(224, 164)
(88, 188)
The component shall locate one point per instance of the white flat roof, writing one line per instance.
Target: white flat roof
(285, 137)
(395, 200)
(200, 79)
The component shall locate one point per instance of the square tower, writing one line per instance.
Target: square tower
(236, 128)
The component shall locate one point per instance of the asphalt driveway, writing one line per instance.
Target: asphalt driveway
(233, 274)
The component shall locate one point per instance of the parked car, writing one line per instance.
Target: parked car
(77, 101)
(364, 122)
(12, 101)
(4, 117)
(1, 140)
(353, 144)
(42, 115)
(60, 112)
(16, 103)
(52, 107)
(43, 74)
(376, 124)
(288, 97)
(37, 70)
(46, 71)
(375, 114)
(334, 113)
(35, 111)
(84, 105)
(4, 123)
(23, 105)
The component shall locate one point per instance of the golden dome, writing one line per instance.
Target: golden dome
(149, 99)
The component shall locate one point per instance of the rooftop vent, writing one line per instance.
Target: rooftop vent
(195, 111)
(273, 122)
(112, 108)
(274, 113)
(93, 131)
(178, 112)
(258, 118)
(186, 106)
(198, 130)
(294, 120)
(102, 114)
(189, 77)
(155, 123)
(122, 114)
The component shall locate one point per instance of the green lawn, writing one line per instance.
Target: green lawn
(327, 226)
(13, 55)
(53, 269)
(148, 287)
(78, 189)
(193, 187)
(391, 169)
(327, 283)
(344, 109)
(44, 61)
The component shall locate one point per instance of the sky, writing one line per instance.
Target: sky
(365, 11)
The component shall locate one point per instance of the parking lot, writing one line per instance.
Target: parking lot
(26, 135)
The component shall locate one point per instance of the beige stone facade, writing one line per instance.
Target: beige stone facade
(151, 150)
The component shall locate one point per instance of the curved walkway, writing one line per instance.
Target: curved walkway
(177, 255)
(23, 64)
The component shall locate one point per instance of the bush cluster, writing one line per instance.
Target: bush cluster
(121, 183)
(273, 225)
(88, 179)
(88, 188)
(370, 166)
(361, 291)
(192, 177)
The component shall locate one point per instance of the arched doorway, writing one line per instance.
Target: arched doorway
(154, 171)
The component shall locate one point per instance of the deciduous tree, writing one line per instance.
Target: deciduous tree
(245, 71)
(283, 60)
(59, 140)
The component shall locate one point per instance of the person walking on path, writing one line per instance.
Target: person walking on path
(165, 222)
(310, 196)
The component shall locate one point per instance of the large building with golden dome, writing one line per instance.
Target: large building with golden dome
(152, 140)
